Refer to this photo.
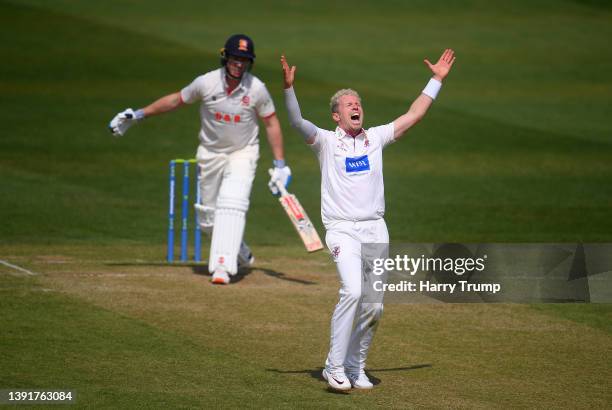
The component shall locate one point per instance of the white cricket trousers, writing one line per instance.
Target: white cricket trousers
(354, 322)
(225, 185)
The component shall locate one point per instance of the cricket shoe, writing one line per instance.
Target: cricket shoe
(245, 256)
(360, 380)
(336, 380)
(220, 277)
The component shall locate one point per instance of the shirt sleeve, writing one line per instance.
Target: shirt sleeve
(263, 103)
(318, 145)
(384, 133)
(305, 127)
(194, 92)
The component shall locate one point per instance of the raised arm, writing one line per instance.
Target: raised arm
(422, 103)
(305, 127)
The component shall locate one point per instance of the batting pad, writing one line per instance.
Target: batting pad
(226, 238)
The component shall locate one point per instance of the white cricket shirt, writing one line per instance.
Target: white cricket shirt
(229, 122)
(352, 187)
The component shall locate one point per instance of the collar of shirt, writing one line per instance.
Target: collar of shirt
(238, 88)
(340, 134)
(357, 144)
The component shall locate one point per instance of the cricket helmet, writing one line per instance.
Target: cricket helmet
(238, 45)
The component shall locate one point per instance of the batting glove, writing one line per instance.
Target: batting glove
(280, 173)
(124, 120)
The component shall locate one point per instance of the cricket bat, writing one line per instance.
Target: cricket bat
(299, 218)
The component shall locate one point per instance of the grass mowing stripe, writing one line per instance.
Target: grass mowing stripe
(172, 339)
(595, 315)
(486, 37)
(95, 349)
(115, 360)
(136, 171)
(110, 359)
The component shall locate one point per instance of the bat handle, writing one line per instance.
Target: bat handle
(280, 186)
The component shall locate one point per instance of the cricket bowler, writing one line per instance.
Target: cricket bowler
(232, 100)
(352, 209)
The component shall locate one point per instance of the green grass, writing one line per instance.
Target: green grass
(128, 334)
(517, 148)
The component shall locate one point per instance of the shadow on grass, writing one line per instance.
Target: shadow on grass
(202, 269)
(317, 373)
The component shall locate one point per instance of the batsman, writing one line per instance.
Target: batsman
(232, 101)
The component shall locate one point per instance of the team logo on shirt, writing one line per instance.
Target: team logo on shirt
(335, 252)
(357, 164)
(246, 100)
(366, 143)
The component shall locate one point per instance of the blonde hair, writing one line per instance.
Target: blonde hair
(333, 102)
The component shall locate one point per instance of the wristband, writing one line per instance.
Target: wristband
(139, 114)
(279, 163)
(432, 88)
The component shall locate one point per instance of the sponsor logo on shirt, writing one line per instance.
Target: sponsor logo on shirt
(357, 164)
(219, 116)
(246, 100)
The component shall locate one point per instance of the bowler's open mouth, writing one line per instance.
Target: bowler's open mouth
(355, 116)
